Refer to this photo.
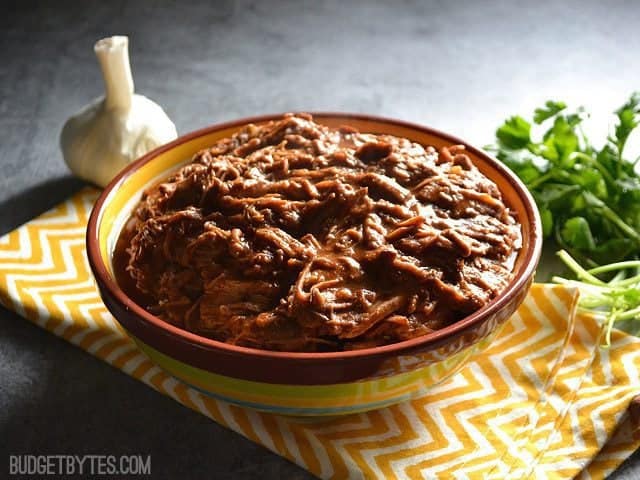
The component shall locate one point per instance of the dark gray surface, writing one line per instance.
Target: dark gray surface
(458, 66)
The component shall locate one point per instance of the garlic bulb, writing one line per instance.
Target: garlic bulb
(115, 129)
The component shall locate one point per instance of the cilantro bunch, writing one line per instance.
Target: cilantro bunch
(589, 198)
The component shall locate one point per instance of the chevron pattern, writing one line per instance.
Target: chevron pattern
(544, 401)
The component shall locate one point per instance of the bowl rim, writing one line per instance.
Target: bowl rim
(532, 246)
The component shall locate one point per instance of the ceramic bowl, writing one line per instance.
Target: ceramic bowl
(305, 383)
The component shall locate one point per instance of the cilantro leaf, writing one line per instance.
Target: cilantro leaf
(576, 233)
(546, 217)
(628, 118)
(589, 198)
(514, 133)
(550, 109)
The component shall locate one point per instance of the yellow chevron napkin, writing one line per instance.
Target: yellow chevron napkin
(544, 401)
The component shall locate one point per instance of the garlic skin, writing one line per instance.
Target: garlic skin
(118, 128)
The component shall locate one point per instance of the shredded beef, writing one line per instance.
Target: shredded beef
(293, 236)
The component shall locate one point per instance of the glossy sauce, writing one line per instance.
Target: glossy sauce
(294, 236)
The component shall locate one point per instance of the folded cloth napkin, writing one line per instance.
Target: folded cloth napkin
(544, 401)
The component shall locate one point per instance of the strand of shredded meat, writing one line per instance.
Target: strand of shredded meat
(293, 236)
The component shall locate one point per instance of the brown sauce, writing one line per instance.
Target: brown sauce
(296, 237)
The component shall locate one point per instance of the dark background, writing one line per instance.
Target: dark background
(457, 66)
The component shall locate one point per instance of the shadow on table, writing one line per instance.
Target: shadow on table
(35, 200)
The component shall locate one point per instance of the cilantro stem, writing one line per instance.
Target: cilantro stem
(577, 269)
(596, 164)
(629, 314)
(585, 140)
(540, 180)
(626, 282)
(609, 325)
(611, 215)
(612, 267)
(620, 280)
(618, 299)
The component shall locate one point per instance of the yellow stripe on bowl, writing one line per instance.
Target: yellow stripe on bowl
(301, 396)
